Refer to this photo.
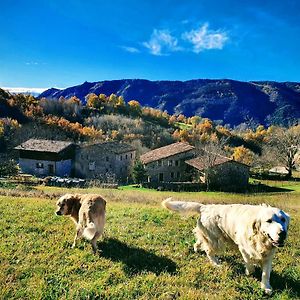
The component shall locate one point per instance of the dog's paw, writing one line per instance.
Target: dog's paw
(267, 289)
(249, 271)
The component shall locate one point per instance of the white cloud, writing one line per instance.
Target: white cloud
(31, 63)
(161, 42)
(130, 49)
(205, 38)
(24, 90)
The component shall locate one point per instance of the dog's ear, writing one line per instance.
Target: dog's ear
(256, 226)
(73, 203)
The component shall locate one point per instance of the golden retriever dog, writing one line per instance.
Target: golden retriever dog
(88, 213)
(256, 230)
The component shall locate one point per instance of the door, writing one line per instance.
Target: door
(51, 169)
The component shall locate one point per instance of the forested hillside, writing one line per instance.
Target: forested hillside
(226, 101)
(104, 118)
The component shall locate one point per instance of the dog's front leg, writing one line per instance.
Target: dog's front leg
(248, 264)
(77, 235)
(265, 278)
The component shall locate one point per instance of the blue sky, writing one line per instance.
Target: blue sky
(64, 43)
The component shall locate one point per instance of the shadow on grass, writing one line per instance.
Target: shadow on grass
(136, 260)
(263, 188)
(279, 282)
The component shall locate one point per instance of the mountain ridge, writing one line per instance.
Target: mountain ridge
(229, 101)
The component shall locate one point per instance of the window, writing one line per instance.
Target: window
(170, 163)
(40, 165)
(126, 156)
(172, 175)
(131, 155)
(121, 157)
(176, 163)
(161, 177)
(159, 163)
(107, 158)
(178, 174)
(92, 166)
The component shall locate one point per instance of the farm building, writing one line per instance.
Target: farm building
(46, 157)
(167, 164)
(110, 161)
(223, 173)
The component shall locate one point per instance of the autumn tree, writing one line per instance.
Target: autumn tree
(135, 107)
(286, 143)
(93, 101)
(243, 155)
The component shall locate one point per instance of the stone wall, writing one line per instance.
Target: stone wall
(93, 162)
(229, 176)
(41, 168)
(169, 169)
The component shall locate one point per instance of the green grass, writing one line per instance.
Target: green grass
(147, 252)
(183, 126)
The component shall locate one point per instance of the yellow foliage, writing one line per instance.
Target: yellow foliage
(243, 155)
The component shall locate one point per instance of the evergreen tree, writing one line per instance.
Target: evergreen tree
(139, 173)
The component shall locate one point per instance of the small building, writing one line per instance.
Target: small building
(167, 164)
(46, 157)
(223, 174)
(108, 161)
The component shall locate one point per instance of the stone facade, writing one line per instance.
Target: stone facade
(41, 168)
(229, 176)
(46, 157)
(109, 162)
(167, 164)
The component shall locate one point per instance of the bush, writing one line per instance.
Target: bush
(8, 168)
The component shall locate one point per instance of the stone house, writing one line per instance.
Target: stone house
(167, 164)
(224, 174)
(46, 157)
(108, 161)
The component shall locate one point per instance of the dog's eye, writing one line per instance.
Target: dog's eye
(269, 221)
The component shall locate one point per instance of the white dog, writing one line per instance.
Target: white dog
(88, 213)
(257, 230)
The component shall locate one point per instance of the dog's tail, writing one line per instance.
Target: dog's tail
(89, 231)
(181, 206)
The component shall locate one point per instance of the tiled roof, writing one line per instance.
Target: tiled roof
(115, 147)
(165, 152)
(200, 164)
(44, 145)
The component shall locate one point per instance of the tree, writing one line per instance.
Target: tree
(287, 145)
(92, 100)
(135, 107)
(208, 153)
(139, 173)
(243, 155)
(8, 168)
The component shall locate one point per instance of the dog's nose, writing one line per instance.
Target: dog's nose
(282, 235)
(58, 213)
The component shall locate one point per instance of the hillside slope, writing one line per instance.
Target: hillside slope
(233, 102)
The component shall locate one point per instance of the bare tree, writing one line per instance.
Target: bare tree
(208, 154)
(286, 143)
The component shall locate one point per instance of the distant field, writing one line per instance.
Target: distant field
(147, 252)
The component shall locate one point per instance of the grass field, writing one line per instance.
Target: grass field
(147, 252)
